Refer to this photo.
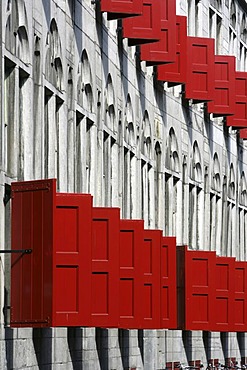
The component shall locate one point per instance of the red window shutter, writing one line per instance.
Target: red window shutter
(175, 73)
(196, 289)
(152, 291)
(131, 288)
(32, 221)
(240, 296)
(243, 133)
(146, 27)
(163, 51)
(168, 283)
(72, 260)
(224, 90)
(224, 285)
(105, 268)
(200, 69)
(239, 119)
(121, 8)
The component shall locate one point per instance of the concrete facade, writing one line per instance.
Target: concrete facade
(77, 105)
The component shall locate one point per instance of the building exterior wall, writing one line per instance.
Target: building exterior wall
(78, 105)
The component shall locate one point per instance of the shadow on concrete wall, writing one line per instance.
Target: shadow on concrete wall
(42, 341)
(141, 343)
(9, 347)
(75, 344)
(102, 341)
(124, 344)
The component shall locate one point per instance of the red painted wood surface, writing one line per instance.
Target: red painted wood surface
(200, 69)
(224, 289)
(243, 133)
(240, 296)
(32, 226)
(121, 8)
(223, 103)
(72, 260)
(239, 120)
(176, 73)
(163, 51)
(146, 27)
(131, 288)
(105, 267)
(168, 283)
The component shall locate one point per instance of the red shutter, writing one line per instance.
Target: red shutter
(240, 111)
(240, 296)
(32, 221)
(121, 8)
(224, 284)
(105, 267)
(224, 90)
(72, 260)
(146, 27)
(200, 69)
(168, 283)
(196, 289)
(243, 133)
(152, 292)
(131, 274)
(163, 51)
(175, 73)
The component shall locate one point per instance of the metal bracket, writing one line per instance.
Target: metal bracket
(23, 251)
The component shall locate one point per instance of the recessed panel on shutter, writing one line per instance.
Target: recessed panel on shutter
(152, 291)
(196, 289)
(121, 8)
(224, 90)
(105, 267)
(131, 287)
(240, 296)
(239, 119)
(146, 27)
(72, 260)
(163, 51)
(168, 283)
(175, 73)
(224, 289)
(200, 69)
(32, 221)
(243, 133)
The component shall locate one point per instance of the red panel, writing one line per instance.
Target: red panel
(224, 286)
(121, 8)
(240, 117)
(200, 69)
(145, 28)
(105, 267)
(33, 204)
(240, 296)
(168, 283)
(163, 51)
(224, 90)
(196, 289)
(243, 133)
(131, 274)
(152, 290)
(72, 260)
(175, 73)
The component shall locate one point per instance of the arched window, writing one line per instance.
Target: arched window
(172, 157)
(215, 207)
(85, 83)
(242, 217)
(233, 16)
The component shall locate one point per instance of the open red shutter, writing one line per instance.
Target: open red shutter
(131, 287)
(152, 291)
(72, 260)
(163, 51)
(146, 27)
(200, 69)
(240, 296)
(224, 91)
(105, 268)
(168, 283)
(243, 133)
(224, 285)
(32, 221)
(239, 119)
(175, 73)
(121, 8)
